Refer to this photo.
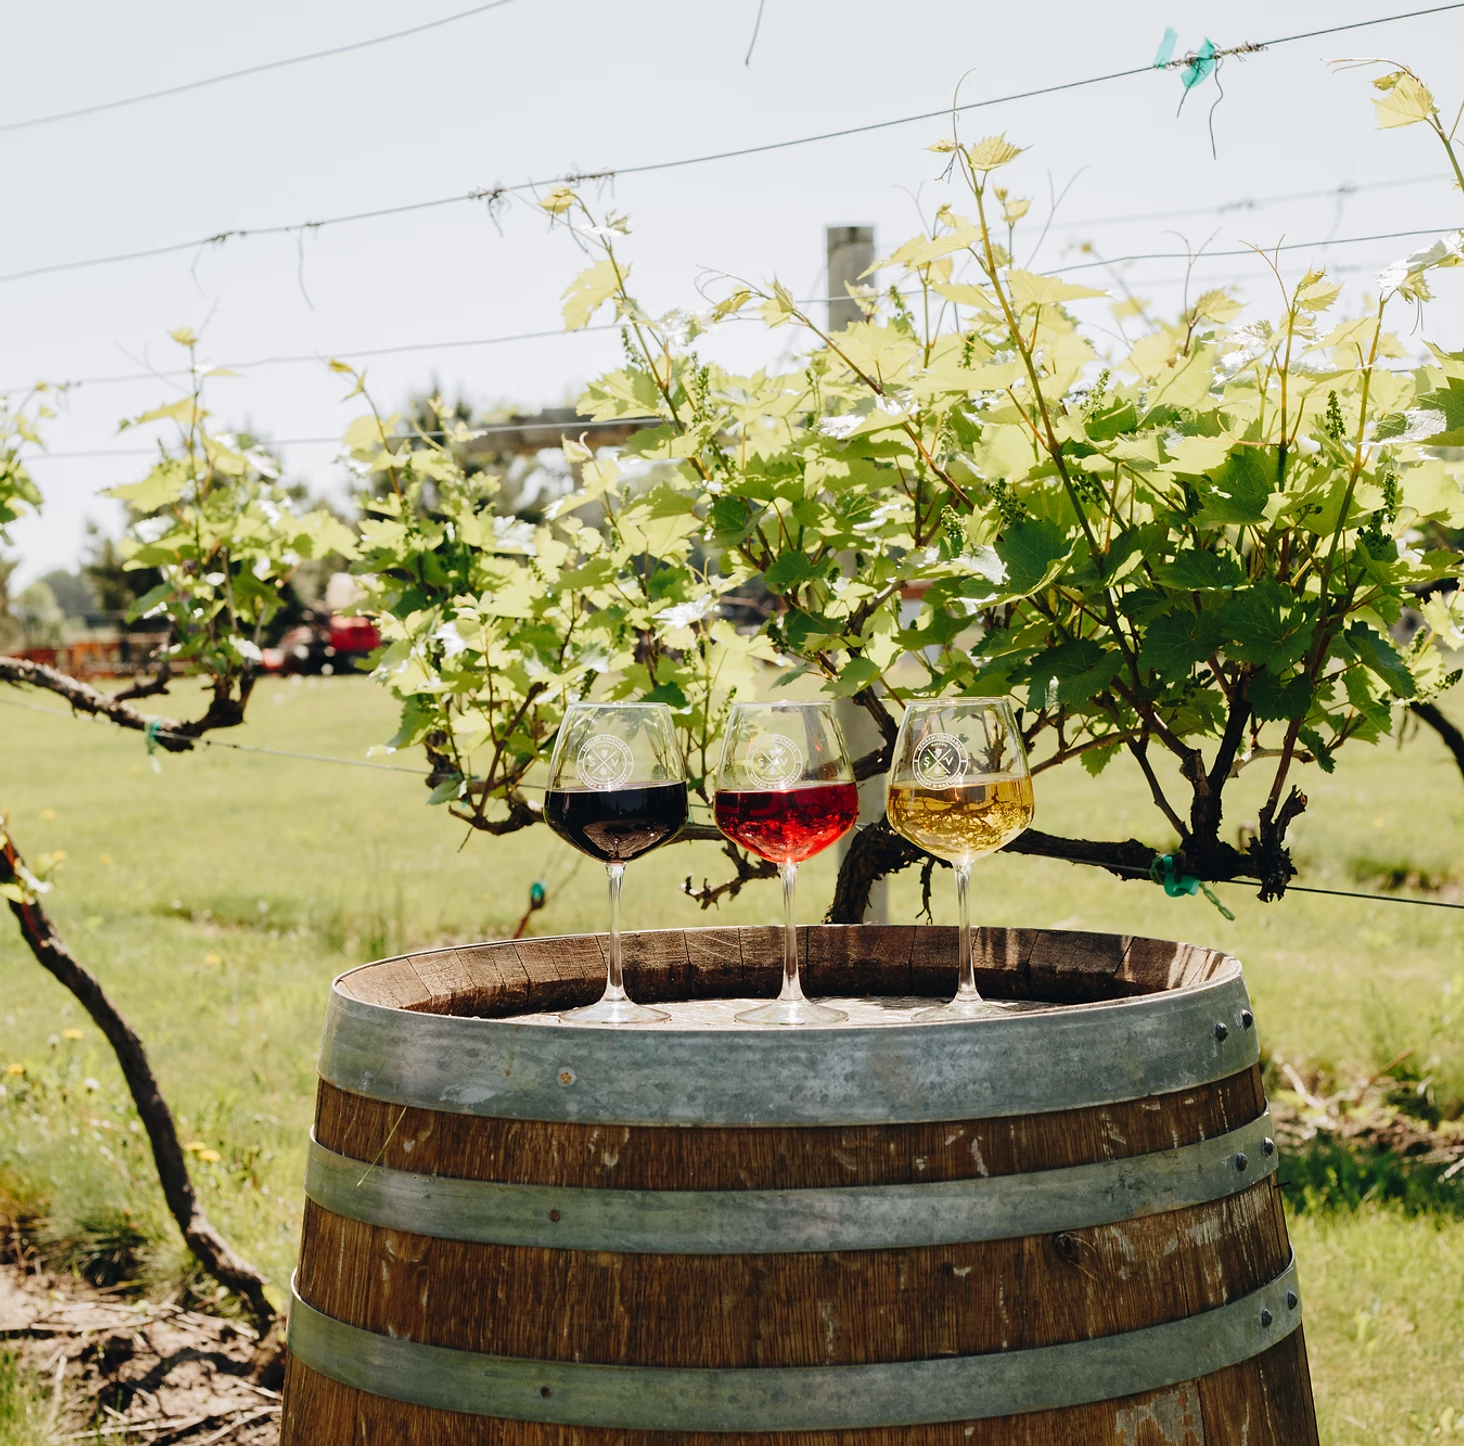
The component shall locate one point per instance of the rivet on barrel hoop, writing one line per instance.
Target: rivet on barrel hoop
(566, 1076)
(1268, 1147)
(1265, 1319)
(1221, 1032)
(1241, 1162)
(1247, 1018)
(1292, 1300)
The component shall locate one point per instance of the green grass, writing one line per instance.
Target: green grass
(218, 897)
(24, 1411)
(1384, 1301)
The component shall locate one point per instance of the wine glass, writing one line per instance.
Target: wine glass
(617, 790)
(960, 787)
(786, 791)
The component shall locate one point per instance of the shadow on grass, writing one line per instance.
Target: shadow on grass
(1324, 1174)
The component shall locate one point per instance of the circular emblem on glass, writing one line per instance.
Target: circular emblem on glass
(605, 761)
(774, 760)
(941, 760)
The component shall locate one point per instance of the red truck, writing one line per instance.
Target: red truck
(323, 643)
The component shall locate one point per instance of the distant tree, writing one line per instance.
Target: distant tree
(40, 616)
(12, 634)
(115, 585)
(73, 592)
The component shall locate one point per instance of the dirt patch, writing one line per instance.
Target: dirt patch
(1362, 1115)
(123, 1372)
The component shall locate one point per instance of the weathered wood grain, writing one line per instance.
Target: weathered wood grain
(809, 1309)
(1267, 1399)
(323, 1413)
(648, 1157)
(512, 977)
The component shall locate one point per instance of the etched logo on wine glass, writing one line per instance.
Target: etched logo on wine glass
(605, 761)
(941, 760)
(773, 760)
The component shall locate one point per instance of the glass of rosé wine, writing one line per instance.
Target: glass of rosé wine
(786, 791)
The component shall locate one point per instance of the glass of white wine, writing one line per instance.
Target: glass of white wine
(960, 787)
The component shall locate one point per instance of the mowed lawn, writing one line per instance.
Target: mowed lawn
(217, 897)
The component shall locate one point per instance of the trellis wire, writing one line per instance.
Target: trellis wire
(106, 105)
(582, 425)
(492, 194)
(206, 742)
(532, 788)
(1246, 204)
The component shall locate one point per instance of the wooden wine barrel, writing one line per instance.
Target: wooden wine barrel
(1059, 1227)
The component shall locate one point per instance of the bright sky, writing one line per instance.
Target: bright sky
(540, 87)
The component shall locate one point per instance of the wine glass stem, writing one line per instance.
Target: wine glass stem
(614, 979)
(792, 989)
(967, 987)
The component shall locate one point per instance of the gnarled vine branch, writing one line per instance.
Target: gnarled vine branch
(878, 851)
(209, 1248)
(226, 706)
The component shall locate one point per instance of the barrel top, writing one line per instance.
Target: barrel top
(1086, 1019)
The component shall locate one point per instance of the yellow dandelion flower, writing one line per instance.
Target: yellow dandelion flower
(71, 1034)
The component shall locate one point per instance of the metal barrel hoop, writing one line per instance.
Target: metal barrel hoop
(751, 1222)
(1093, 1054)
(802, 1398)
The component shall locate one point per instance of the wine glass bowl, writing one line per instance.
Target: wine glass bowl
(960, 787)
(785, 792)
(617, 790)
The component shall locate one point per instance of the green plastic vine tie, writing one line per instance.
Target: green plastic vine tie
(1200, 67)
(1177, 885)
(150, 737)
(1165, 53)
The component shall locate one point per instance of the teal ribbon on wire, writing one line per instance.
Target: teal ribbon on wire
(1201, 67)
(150, 737)
(1177, 885)
(1200, 64)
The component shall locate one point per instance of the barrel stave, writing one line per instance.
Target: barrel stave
(1265, 1399)
(647, 1157)
(806, 1309)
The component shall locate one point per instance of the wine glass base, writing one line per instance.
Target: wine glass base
(961, 1009)
(792, 1011)
(614, 1011)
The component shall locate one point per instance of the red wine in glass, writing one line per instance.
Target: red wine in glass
(617, 825)
(788, 825)
(616, 790)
